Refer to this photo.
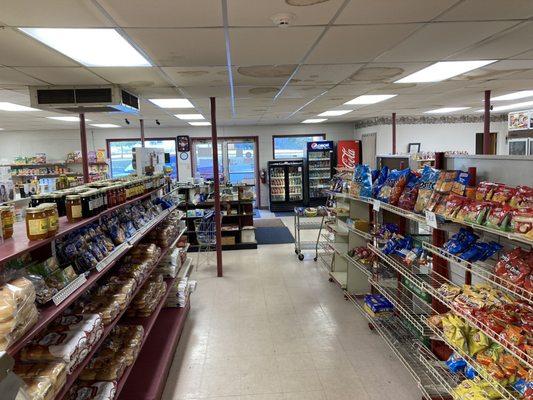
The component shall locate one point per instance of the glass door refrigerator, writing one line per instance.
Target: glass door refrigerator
(319, 171)
(286, 184)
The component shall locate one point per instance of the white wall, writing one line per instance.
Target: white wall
(56, 144)
(434, 137)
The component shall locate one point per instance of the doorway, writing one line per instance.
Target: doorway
(368, 143)
(492, 145)
(238, 160)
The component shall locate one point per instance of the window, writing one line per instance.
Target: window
(293, 146)
(121, 154)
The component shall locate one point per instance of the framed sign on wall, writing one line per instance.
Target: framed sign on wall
(183, 143)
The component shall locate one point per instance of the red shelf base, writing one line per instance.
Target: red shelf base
(149, 374)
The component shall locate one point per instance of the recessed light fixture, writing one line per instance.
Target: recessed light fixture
(514, 96)
(203, 123)
(103, 47)
(314, 120)
(172, 103)
(6, 106)
(105, 125)
(189, 117)
(446, 110)
(1, 129)
(68, 119)
(334, 113)
(370, 99)
(443, 70)
(515, 106)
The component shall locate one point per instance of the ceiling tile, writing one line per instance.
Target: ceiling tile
(200, 76)
(263, 74)
(131, 76)
(479, 10)
(267, 46)
(165, 13)
(438, 41)
(259, 12)
(331, 74)
(182, 47)
(19, 50)
(64, 75)
(51, 14)
(10, 76)
(382, 11)
(356, 44)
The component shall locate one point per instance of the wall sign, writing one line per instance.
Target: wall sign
(348, 153)
(183, 143)
(520, 120)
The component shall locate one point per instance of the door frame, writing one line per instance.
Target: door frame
(256, 142)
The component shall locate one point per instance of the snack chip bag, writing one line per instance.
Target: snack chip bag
(485, 190)
(362, 181)
(476, 212)
(380, 181)
(522, 221)
(522, 198)
(410, 192)
(452, 206)
(460, 183)
(455, 363)
(386, 190)
(398, 187)
(477, 341)
(499, 217)
(445, 182)
(503, 194)
(426, 185)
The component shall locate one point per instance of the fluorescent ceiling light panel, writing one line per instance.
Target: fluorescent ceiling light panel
(314, 120)
(204, 123)
(189, 117)
(6, 106)
(334, 113)
(91, 47)
(514, 96)
(172, 103)
(370, 99)
(68, 119)
(105, 125)
(443, 70)
(446, 110)
(515, 106)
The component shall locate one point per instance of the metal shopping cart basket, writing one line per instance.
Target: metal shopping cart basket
(205, 230)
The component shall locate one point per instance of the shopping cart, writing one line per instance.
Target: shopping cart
(305, 222)
(205, 230)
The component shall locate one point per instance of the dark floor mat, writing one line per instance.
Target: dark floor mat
(273, 235)
(284, 214)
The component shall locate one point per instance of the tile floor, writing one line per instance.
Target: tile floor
(274, 328)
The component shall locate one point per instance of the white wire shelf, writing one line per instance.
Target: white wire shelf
(503, 391)
(408, 349)
(482, 270)
(336, 229)
(509, 235)
(341, 278)
(359, 232)
(367, 200)
(434, 282)
(365, 269)
(400, 211)
(307, 245)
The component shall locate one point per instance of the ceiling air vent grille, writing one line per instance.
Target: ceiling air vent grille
(93, 95)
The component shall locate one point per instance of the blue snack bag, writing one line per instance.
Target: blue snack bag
(362, 181)
(470, 372)
(380, 181)
(455, 363)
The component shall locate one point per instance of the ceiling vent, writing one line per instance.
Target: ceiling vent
(84, 99)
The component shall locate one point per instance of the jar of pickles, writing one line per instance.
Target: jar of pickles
(7, 217)
(73, 206)
(36, 223)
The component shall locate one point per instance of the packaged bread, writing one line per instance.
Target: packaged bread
(40, 388)
(13, 329)
(91, 324)
(55, 371)
(93, 391)
(108, 308)
(14, 295)
(70, 347)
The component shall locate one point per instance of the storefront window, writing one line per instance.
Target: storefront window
(293, 146)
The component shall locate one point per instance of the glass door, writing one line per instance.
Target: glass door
(295, 183)
(319, 172)
(277, 184)
(241, 161)
(203, 159)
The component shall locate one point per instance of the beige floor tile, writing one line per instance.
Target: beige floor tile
(300, 381)
(294, 362)
(260, 382)
(315, 395)
(331, 360)
(220, 384)
(291, 345)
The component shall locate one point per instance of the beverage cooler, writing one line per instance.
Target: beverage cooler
(286, 184)
(319, 171)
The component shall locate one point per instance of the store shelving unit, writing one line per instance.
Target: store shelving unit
(413, 291)
(157, 322)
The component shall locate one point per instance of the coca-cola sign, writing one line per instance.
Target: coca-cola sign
(348, 153)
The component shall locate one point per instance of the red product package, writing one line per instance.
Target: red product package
(410, 192)
(499, 217)
(398, 187)
(522, 221)
(503, 194)
(514, 267)
(485, 190)
(453, 205)
(522, 198)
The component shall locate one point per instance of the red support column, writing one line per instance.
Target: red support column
(393, 133)
(218, 218)
(141, 123)
(84, 155)
(486, 124)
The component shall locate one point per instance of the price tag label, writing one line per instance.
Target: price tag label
(431, 219)
(376, 205)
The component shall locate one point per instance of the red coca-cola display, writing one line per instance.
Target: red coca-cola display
(348, 153)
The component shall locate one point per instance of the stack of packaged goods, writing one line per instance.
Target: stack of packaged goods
(150, 295)
(164, 234)
(179, 293)
(377, 306)
(171, 263)
(18, 312)
(42, 380)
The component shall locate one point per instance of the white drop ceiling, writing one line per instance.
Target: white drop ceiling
(332, 52)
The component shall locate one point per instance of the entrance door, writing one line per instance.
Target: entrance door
(369, 149)
(493, 138)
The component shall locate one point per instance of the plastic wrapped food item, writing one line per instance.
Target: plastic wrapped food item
(378, 183)
(393, 187)
(485, 190)
(43, 293)
(460, 183)
(460, 241)
(13, 329)
(55, 371)
(361, 185)
(107, 307)
(40, 388)
(514, 266)
(455, 363)
(409, 195)
(377, 305)
(452, 206)
(93, 391)
(522, 222)
(446, 181)
(522, 197)
(427, 183)
(503, 194)
(499, 217)
(91, 324)
(477, 341)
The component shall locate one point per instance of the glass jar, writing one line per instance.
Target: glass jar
(7, 218)
(36, 223)
(86, 205)
(59, 200)
(53, 218)
(73, 205)
(36, 199)
(111, 196)
(105, 203)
